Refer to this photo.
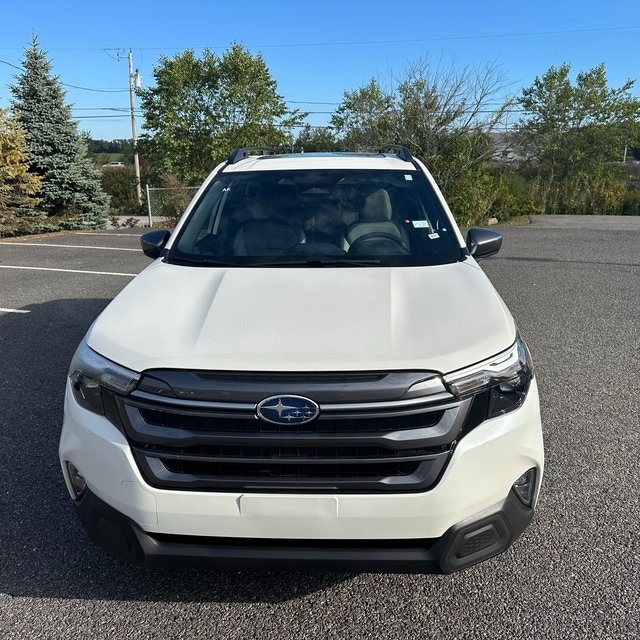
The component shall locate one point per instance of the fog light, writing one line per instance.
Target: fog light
(525, 486)
(78, 483)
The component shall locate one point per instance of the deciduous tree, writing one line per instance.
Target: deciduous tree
(18, 186)
(572, 135)
(201, 108)
(365, 120)
(314, 139)
(444, 115)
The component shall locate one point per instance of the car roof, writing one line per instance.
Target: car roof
(292, 161)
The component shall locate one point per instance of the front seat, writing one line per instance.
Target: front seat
(266, 238)
(375, 217)
(269, 233)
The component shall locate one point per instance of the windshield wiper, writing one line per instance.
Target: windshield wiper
(201, 262)
(319, 262)
(292, 262)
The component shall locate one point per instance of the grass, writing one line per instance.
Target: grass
(516, 221)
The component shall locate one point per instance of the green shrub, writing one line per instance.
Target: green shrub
(120, 184)
(174, 199)
(516, 195)
(597, 192)
(631, 203)
(472, 196)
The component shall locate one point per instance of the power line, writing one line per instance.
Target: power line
(101, 109)
(72, 86)
(311, 102)
(109, 90)
(141, 112)
(438, 39)
(98, 117)
(520, 34)
(11, 65)
(75, 86)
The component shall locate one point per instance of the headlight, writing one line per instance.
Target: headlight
(90, 373)
(506, 376)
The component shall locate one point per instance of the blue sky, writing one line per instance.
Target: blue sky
(314, 50)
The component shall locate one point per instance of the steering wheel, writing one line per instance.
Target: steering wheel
(315, 249)
(207, 245)
(378, 243)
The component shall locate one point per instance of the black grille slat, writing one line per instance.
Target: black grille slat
(308, 435)
(396, 476)
(400, 440)
(304, 457)
(223, 423)
(249, 469)
(381, 446)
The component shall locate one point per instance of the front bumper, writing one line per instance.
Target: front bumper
(465, 544)
(397, 532)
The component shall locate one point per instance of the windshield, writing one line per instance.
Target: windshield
(336, 217)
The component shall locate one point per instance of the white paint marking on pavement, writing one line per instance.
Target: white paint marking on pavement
(111, 235)
(67, 246)
(99, 273)
(3, 310)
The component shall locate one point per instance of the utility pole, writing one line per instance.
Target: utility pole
(133, 83)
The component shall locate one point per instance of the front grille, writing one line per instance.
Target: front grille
(386, 446)
(216, 424)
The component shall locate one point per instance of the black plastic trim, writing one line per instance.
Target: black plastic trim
(398, 150)
(325, 388)
(454, 551)
(245, 152)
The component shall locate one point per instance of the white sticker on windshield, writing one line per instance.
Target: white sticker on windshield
(407, 176)
(434, 236)
(420, 224)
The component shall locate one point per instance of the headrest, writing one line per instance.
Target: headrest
(377, 207)
(274, 201)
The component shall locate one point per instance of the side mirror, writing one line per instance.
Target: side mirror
(482, 242)
(153, 242)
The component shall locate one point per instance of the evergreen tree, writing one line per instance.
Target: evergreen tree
(70, 189)
(17, 185)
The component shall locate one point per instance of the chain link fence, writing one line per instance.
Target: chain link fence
(167, 204)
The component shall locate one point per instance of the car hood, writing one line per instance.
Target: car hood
(439, 318)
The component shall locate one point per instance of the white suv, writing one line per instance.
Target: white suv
(313, 373)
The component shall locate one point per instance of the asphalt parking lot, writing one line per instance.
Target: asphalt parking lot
(573, 285)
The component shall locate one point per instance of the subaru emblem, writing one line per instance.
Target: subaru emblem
(287, 410)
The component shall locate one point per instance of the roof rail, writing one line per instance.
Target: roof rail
(245, 152)
(402, 152)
